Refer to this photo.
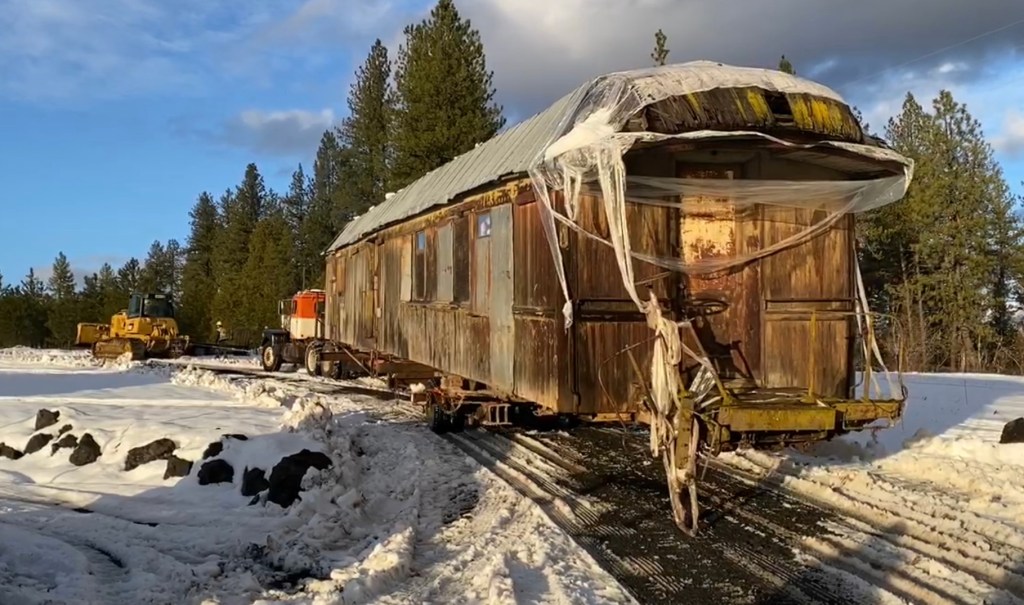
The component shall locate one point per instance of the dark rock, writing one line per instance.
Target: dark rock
(37, 442)
(160, 449)
(177, 467)
(86, 452)
(254, 481)
(216, 471)
(65, 441)
(1013, 432)
(7, 451)
(45, 418)
(64, 429)
(286, 476)
(214, 449)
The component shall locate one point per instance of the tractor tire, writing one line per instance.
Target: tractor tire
(313, 360)
(271, 358)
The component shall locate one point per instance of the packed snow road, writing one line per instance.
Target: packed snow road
(929, 512)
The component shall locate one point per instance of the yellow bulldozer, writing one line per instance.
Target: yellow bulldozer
(147, 328)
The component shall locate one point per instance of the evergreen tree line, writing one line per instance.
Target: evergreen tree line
(252, 247)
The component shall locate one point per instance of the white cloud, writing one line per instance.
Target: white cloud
(1011, 139)
(81, 50)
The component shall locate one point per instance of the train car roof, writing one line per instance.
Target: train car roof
(519, 148)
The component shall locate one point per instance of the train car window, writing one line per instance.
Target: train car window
(419, 274)
(460, 259)
(483, 224)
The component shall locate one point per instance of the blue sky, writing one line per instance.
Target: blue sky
(120, 112)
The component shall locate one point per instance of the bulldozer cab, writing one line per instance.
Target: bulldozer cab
(150, 305)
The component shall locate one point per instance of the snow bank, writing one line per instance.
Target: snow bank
(399, 516)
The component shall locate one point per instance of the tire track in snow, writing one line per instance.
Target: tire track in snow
(655, 567)
(989, 560)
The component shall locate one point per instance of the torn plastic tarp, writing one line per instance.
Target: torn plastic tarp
(591, 151)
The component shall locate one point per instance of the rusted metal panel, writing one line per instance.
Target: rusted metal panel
(445, 285)
(502, 277)
(711, 228)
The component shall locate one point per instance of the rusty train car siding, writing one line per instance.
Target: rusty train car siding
(542, 369)
(471, 290)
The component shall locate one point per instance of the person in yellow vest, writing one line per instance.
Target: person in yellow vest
(222, 333)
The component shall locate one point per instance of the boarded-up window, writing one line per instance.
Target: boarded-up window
(482, 263)
(460, 259)
(419, 266)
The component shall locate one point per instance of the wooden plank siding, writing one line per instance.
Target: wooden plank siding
(471, 290)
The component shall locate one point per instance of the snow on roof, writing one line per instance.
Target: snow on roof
(519, 148)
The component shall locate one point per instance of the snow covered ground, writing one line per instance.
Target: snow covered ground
(400, 516)
(940, 480)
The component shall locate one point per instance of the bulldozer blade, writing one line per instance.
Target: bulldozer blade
(114, 348)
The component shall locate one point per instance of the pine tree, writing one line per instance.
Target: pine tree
(242, 212)
(90, 303)
(62, 281)
(366, 131)
(30, 316)
(296, 205)
(785, 66)
(266, 276)
(61, 310)
(110, 290)
(128, 279)
(175, 263)
(156, 272)
(944, 259)
(660, 51)
(198, 282)
(329, 208)
(444, 99)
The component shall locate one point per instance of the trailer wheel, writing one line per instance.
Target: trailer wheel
(437, 418)
(313, 360)
(271, 357)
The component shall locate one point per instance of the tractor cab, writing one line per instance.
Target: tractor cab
(302, 314)
(156, 306)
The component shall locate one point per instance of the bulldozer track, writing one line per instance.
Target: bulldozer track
(760, 542)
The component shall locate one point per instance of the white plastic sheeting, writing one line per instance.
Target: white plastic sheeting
(588, 158)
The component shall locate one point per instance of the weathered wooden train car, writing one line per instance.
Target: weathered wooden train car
(456, 273)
